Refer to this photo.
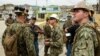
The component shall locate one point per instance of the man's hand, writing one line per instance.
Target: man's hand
(47, 43)
(66, 30)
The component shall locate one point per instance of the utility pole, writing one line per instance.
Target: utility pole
(36, 2)
(46, 2)
(98, 6)
(46, 9)
(85, 0)
(36, 10)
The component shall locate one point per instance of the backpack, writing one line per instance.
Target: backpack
(9, 41)
(97, 50)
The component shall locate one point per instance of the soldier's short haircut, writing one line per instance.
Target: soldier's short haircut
(47, 19)
(33, 18)
(10, 14)
(92, 12)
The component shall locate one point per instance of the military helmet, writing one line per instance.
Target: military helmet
(91, 7)
(81, 6)
(54, 16)
(19, 10)
(47, 19)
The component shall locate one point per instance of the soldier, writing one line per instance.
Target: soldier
(56, 37)
(22, 38)
(47, 35)
(67, 24)
(9, 21)
(85, 40)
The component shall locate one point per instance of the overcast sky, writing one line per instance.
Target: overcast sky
(43, 2)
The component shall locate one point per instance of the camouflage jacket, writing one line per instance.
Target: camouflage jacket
(85, 41)
(24, 39)
(56, 41)
(67, 24)
(47, 31)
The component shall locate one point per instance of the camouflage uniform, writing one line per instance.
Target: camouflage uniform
(56, 41)
(85, 41)
(9, 21)
(23, 45)
(67, 24)
(47, 35)
(47, 31)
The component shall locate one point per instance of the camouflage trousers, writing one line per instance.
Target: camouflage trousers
(55, 51)
(53, 55)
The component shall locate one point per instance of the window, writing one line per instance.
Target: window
(43, 8)
(56, 8)
(41, 15)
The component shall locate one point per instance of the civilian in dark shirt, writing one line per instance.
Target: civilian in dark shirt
(70, 33)
(35, 30)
